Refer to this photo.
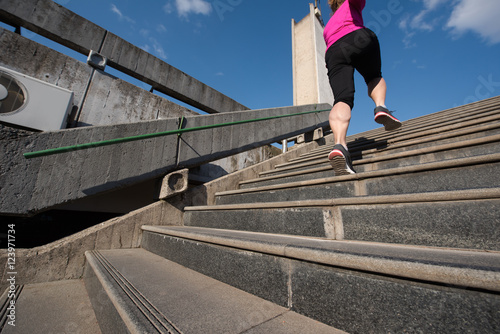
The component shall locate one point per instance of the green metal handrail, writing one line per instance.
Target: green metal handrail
(85, 146)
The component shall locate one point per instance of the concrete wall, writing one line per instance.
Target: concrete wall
(28, 186)
(310, 80)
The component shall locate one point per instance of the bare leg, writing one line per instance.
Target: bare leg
(339, 118)
(377, 89)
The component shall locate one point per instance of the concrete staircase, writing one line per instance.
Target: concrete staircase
(409, 244)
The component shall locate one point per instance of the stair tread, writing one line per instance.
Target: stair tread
(196, 303)
(322, 159)
(439, 196)
(323, 165)
(470, 268)
(482, 159)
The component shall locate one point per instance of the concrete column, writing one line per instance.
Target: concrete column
(310, 79)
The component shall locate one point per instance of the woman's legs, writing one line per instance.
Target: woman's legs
(377, 90)
(339, 119)
(340, 115)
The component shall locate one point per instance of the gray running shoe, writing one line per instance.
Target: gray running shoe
(340, 159)
(384, 116)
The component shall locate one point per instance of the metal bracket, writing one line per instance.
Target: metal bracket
(97, 60)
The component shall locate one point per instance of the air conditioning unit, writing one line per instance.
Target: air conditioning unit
(32, 103)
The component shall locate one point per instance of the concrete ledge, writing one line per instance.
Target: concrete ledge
(472, 269)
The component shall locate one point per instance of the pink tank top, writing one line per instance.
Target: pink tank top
(347, 18)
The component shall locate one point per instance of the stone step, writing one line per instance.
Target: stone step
(458, 174)
(135, 291)
(373, 141)
(460, 219)
(54, 307)
(463, 135)
(358, 287)
(417, 129)
(436, 123)
(320, 167)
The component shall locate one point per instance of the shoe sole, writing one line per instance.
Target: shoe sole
(338, 163)
(389, 122)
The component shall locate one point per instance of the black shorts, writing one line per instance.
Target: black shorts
(358, 50)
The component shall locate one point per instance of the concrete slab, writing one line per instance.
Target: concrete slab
(56, 307)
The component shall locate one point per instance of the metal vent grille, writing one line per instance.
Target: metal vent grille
(12, 94)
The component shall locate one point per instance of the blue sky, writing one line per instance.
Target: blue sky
(436, 54)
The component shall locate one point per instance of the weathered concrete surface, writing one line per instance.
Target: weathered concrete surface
(315, 222)
(32, 185)
(363, 303)
(472, 224)
(55, 22)
(57, 307)
(206, 194)
(242, 137)
(111, 101)
(464, 224)
(225, 166)
(440, 176)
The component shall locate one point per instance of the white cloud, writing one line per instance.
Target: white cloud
(186, 7)
(433, 4)
(421, 21)
(152, 46)
(118, 12)
(412, 23)
(168, 8)
(161, 28)
(479, 16)
(158, 49)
